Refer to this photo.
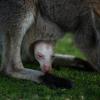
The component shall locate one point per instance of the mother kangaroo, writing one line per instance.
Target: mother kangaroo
(36, 25)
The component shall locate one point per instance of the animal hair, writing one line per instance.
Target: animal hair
(25, 22)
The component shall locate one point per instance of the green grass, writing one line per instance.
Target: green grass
(87, 84)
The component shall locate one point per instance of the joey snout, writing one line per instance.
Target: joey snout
(46, 68)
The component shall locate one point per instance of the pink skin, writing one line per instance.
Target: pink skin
(43, 54)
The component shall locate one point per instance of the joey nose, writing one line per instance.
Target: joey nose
(47, 68)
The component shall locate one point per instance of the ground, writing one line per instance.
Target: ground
(87, 84)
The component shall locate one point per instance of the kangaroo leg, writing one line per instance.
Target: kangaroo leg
(11, 63)
(61, 60)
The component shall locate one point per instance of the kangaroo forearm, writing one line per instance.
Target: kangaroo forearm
(72, 62)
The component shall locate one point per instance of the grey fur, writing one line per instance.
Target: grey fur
(15, 19)
(75, 17)
(45, 20)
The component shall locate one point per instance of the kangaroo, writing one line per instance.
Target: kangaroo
(35, 26)
(18, 18)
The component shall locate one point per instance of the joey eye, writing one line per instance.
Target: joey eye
(40, 56)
